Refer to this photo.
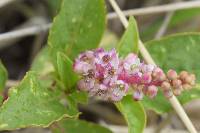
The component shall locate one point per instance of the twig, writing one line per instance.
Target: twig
(173, 100)
(164, 25)
(158, 9)
(5, 2)
(24, 32)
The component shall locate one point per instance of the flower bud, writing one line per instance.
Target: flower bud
(158, 74)
(166, 85)
(152, 91)
(183, 75)
(188, 79)
(171, 74)
(177, 92)
(176, 83)
(146, 78)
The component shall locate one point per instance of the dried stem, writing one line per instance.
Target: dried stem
(24, 32)
(5, 2)
(164, 25)
(158, 9)
(173, 100)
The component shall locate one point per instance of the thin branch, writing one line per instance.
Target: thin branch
(5, 2)
(157, 9)
(24, 32)
(164, 25)
(173, 100)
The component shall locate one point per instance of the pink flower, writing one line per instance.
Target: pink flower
(86, 84)
(119, 90)
(84, 62)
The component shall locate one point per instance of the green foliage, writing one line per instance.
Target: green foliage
(1, 99)
(3, 77)
(134, 114)
(179, 52)
(79, 26)
(78, 126)
(129, 40)
(30, 104)
(42, 62)
(182, 16)
(74, 98)
(65, 71)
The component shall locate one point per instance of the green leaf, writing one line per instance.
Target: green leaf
(76, 97)
(3, 77)
(159, 104)
(79, 26)
(29, 104)
(183, 16)
(42, 63)
(179, 52)
(78, 126)
(134, 114)
(130, 39)
(1, 99)
(65, 71)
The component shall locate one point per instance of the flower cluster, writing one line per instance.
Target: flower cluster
(178, 83)
(105, 75)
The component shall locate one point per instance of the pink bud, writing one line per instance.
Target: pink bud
(158, 74)
(176, 83)
(146, 78)
(152, 91)
(183, 75)
(165, 85)
(171, 74)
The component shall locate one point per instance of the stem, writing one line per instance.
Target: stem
(173, 100)
(157, 9)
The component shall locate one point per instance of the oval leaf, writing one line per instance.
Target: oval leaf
(134, 114)
(29, 104)
(42, 62)
(65, 71)
(3, 77)
(79, 26)
(129, 40)
(78, 126)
